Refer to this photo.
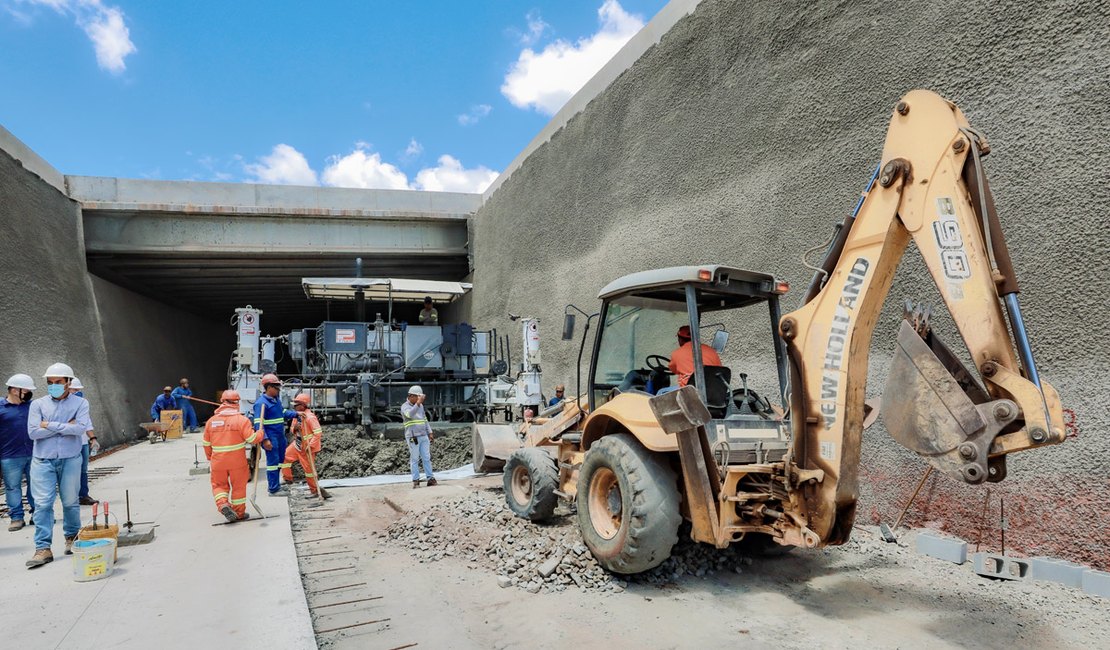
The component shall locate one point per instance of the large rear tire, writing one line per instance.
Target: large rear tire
(531, 478)
(628, 505)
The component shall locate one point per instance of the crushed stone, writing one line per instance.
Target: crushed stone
(347, 452)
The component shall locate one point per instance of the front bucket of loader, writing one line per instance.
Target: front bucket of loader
(493, 444)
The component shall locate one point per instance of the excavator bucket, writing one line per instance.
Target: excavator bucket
(493, 444)
(934, 407)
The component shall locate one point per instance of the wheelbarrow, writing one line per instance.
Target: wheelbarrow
(156, 431)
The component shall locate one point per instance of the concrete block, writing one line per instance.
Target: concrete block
(197, 471)
(951, 549)
(1096, 583)
(549, 567)
(991, 565)
(137, 535)
(1050, 569)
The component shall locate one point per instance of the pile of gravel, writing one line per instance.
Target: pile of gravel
(481, 530)
(347, 452)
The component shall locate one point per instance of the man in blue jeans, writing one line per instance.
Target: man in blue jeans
(16, 447)
(57, 423)
(419, 435)
(90, 448)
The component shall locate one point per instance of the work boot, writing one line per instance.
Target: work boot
(245, 516)
(279, 493)
(87, 501)
(42, 556)
(69, 544)
(17, 524)
(432, 482)
(415, 484)
(229, 514)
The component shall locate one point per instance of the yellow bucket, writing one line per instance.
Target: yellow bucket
(93, 559)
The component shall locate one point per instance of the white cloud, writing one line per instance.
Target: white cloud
(104, 25)
(284, 166)
(547, 79)
(475, 114)
(536, 28)
(414, 149)
(360, 168)
(450, 176)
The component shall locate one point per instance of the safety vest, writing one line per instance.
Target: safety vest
(416, 423)
(228, 432)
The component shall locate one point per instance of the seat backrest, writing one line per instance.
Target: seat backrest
(718, 393)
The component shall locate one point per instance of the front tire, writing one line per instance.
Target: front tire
(530, 481)
(628, 505)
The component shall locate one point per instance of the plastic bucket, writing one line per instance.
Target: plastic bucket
(102, 532)
(93, 559)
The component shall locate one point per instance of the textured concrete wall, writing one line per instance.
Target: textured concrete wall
(123, 347)
(750, 129)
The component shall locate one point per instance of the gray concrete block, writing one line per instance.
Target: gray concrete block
(951, 549)
(1001, 567)
(137, 535)
(1096, 583)
(1050, 569)
(197, 471)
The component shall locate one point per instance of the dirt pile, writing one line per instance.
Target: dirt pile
(347, 453)
(551, 557)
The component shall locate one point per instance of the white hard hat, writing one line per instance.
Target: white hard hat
(76, 384)
(416, 390)
(21, 381)
(58, 370)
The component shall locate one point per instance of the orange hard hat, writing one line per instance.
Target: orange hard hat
(684, 332)
(230, 396)
(303, 399)
(270, 378)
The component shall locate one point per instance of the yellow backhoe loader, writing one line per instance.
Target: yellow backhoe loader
(637, 455)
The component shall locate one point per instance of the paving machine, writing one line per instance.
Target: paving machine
(776, 463)
(360, 372)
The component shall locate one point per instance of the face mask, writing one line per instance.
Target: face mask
(26, 396)
(56, 390)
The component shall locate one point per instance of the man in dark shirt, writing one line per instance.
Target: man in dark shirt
(16, 447)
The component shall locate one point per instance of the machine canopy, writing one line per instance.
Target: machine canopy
(384, 289)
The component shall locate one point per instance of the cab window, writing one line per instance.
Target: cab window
(632, 330)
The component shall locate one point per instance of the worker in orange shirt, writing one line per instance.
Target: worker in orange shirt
(306, 438)
(682, 359)
(226, 434)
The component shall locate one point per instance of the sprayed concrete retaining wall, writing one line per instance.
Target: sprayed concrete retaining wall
(750, 129)
(124, 347)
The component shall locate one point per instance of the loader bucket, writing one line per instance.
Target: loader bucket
(493, 444)
(933, 406)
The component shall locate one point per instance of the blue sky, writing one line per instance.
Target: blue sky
(431, 94)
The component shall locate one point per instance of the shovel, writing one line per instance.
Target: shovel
(254, 490)
(320, 491)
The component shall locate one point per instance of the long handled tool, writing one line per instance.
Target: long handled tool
(888, 533)
(254, 490)
(203, 401)
(320, 491)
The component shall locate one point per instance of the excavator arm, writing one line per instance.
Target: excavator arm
(931, 189)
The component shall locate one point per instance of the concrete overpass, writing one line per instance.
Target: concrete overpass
(211, 247)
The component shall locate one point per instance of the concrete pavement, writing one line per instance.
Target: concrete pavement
(196, 585)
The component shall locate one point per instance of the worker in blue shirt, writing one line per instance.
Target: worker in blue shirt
(558, 399)
(164, 402)
(181, 395)
(57, 423)
(270, 416)
(16, 447)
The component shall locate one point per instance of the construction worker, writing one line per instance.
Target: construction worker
(181, 396)
(429, 315)
(682, 359)
(270, 417)
(559, 395)
(90, 448)
(306, 432)
(226, 434)
(419, 435)
(57, 423)
(16, 447)
(164, 402)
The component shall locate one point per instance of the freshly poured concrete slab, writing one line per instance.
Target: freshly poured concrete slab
(195, 585)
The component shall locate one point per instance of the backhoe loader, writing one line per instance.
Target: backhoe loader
(638, 456)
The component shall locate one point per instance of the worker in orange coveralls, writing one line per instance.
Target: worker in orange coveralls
(226, 435)
(306, 437)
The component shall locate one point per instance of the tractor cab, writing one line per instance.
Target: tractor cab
(666, 328)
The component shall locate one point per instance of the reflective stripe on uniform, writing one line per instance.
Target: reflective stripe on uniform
(238, 502)
(219, 449)
(219, 495)
(207, 444)
(272, 468)
(307, 475)
(286, 465)
(412, 422)
(271, 421)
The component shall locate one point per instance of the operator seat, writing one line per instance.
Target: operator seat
(718, 394)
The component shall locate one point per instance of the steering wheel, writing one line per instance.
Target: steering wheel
(662, 363)
(758, 404)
